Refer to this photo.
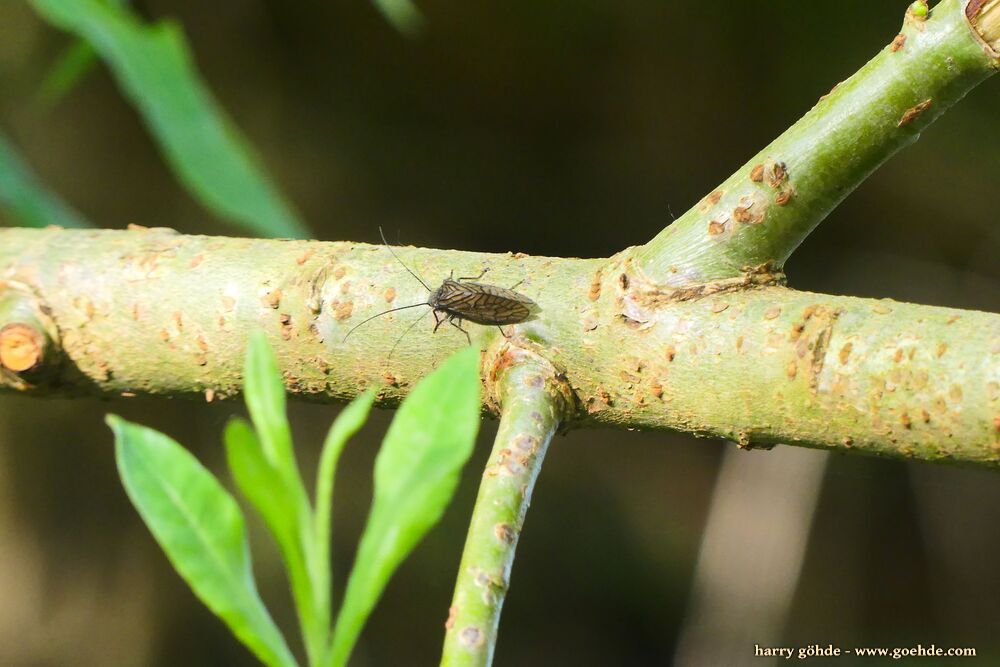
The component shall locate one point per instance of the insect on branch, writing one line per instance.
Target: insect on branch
(463, 299)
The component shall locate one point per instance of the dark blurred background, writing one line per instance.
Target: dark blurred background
(554, 128)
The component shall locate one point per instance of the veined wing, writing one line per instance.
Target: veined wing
(484, 304)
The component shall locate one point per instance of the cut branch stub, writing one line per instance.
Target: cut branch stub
(984, 16)
(22, 347)
(26, 338)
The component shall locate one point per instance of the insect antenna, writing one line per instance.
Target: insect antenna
(384, 312)
(389, 247)
(408, 329)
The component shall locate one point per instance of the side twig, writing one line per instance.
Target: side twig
(533, 404)
(753, 221)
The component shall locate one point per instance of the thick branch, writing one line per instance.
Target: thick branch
(534, 401)
(160, 313)
(758, 216)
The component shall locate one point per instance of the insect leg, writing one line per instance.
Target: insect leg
(438, 321)
(452, 322)
(482, 273)
(505, 334)
(516, 285)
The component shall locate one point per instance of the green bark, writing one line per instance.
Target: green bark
(159, 313)
(760, 214)
(534, 402)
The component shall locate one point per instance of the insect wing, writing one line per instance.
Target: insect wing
(483, 304)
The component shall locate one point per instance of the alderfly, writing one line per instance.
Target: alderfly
(465, 299)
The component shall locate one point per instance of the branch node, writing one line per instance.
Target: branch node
(520, 352)
(534, 398)
(638, 296)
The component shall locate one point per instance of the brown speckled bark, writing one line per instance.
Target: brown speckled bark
(155, 312)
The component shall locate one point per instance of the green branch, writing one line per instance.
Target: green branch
(759, 215)
(533, 401)
(672, 335)
(159, 313)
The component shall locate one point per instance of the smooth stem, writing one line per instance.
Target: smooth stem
(754, 220)
(532, 407)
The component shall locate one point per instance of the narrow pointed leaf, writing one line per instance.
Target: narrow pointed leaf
(201, 529)
(347, 423)
(154, 68)
(272, 455)
(416, 472)
(288, 518)
(264, 393)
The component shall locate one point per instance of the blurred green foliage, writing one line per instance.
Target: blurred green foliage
(76, 62)
(403, 14)
(154, 68)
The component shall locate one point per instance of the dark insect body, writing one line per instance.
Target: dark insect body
(465, 299)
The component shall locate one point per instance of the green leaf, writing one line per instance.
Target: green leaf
(287, 515)
(76, 62)
(200, 527)
(153, 67)
(264, 393)
(416, 472)
(28, 201)
(274, 457)
(344, 426)
(403, 15)
(78, 59)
